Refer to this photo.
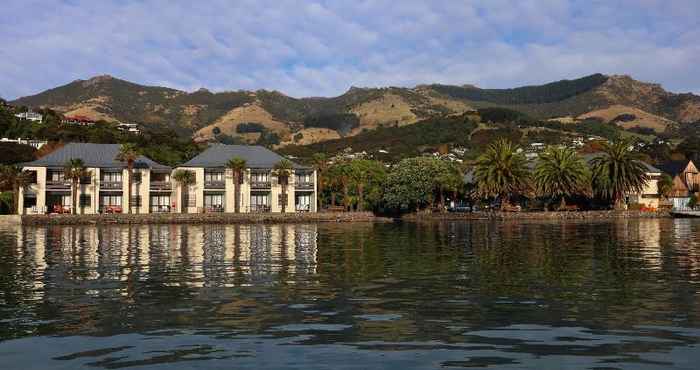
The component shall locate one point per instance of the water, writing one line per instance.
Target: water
(585, 295)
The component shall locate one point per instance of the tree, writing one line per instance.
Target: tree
(185, 178)
(320, 163)
(411, 183)
(12, 177)
(618, 172)
(74, 170)
(450, 179)
(561, 173)
(128, 153)
(665, 185)
(237, 165)
(501, 171)
(283, 169)
(366, 176)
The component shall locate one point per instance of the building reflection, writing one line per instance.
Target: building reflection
(212, 255)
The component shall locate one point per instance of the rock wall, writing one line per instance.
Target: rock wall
(198, 218)
(587, 215)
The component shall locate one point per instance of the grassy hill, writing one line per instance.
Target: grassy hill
(202, 113)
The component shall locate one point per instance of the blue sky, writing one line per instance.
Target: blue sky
(321, 48)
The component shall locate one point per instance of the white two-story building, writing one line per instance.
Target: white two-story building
(261, 190)
(104, 191)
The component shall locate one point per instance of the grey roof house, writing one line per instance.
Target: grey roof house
(93, 155)
(255, 156)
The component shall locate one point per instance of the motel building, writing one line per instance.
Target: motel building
(155, 191)
(261, 189)
(104, 191)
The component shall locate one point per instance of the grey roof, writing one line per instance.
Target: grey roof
(674, 168)
(94, 155)
(255, 156)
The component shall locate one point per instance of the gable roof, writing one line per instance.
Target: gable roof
(674, 168)
(94, 155)
(216, 156)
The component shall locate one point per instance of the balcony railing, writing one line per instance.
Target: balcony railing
(161, 185)
(111, 185)
(260, 184)
(159, 209)
(259, 208)
(214, 184)
(52, 185)
(216, 208)
(304, 185)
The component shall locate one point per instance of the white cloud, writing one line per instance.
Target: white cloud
(322, 48)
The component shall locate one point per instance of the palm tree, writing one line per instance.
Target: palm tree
(561, 173)
(501, 171)
(185, 178)
(237, 166)
(320, 162)
(128, 153)
(283, 169)
(618, 171)
(12, 177)
(450, 179)
(74, 170)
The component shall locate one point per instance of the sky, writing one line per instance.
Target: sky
(322, 48)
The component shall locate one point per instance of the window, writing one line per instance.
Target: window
(259, 199)
(160, 203)
(111, 176)
(66, 200)
(213, 176)
(54, 176)
(160, 177)
(214, 200)
(110, 200)
(86, 180)
(85, 200)
(304, 199)
(303, 178)
(160, 200)
(259, 177)
(137, 177)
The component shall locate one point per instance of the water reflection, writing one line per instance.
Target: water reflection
(621, 294)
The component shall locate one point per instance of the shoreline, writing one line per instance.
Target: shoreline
(554, 215)
(201, 218)
(320, 217)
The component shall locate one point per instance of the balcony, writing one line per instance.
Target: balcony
(218, 184)
(304, 185)
(111, 185)
(57, 185)
(161, 186)
(260, 184)
(159, 209)
(259, 208)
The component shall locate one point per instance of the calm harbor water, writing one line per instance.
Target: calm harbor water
(531, 295)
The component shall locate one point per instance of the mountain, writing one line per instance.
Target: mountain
(250, 115)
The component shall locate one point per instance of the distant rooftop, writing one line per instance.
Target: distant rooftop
(255, 156)
(94, 155)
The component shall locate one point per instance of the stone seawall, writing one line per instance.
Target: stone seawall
(586, 215)
(6, 220)
(198, 218)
